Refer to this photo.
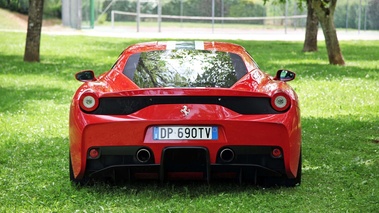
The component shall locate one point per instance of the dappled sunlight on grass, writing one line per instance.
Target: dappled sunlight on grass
(339, 107)
(333, 98)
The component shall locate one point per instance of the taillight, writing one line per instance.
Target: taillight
(88, 102)
(280, 101)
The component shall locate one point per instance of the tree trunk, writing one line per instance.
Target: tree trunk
(33, 36)
(310, 42)
(324, 10)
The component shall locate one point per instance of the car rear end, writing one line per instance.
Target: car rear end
(206, 132)
(185, 111)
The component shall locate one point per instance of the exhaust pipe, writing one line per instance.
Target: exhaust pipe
(227, 155)
(143, 155)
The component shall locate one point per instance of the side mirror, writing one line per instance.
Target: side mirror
(85, 75)
(284, 75)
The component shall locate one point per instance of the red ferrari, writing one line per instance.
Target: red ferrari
(186, 110)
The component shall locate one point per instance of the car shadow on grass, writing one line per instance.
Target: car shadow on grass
(335, 150)
(188, 188)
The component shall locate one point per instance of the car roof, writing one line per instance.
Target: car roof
(196, 45)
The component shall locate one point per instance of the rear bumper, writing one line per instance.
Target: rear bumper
(245, 163)
(130, 133)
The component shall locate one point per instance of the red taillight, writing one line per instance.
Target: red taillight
(94, 153)
(280, 101)
(88, 102)
(276, 153)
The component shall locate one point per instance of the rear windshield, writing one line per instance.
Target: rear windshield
(185, 68)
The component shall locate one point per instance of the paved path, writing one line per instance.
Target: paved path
(222, 33)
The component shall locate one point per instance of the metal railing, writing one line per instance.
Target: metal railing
(237, 19)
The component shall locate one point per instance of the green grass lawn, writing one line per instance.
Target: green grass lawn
(340, 120)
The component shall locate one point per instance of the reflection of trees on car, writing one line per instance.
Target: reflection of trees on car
(185, 68)
(220, 73)
(147, 70)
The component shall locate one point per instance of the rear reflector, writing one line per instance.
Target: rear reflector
(94, 153)
(276, 153)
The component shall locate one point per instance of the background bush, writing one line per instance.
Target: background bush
(52, 8)
(348, 13)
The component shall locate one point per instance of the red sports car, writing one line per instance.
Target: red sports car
(186, 110)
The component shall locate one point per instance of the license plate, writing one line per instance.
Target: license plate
(185, 133)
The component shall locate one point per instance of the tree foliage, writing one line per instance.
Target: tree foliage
(347, 14)
(20, 6)
(247, 8)
(52, 8)
(226, 8)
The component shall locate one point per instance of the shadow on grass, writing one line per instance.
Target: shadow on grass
(99, 54)
(60, 68)
(332, 148)
(275, 55)
(15, 99)
(360, 50)
(346, 130)
(184, 189)
(340, 150)
(279, 50)
(317, 71)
